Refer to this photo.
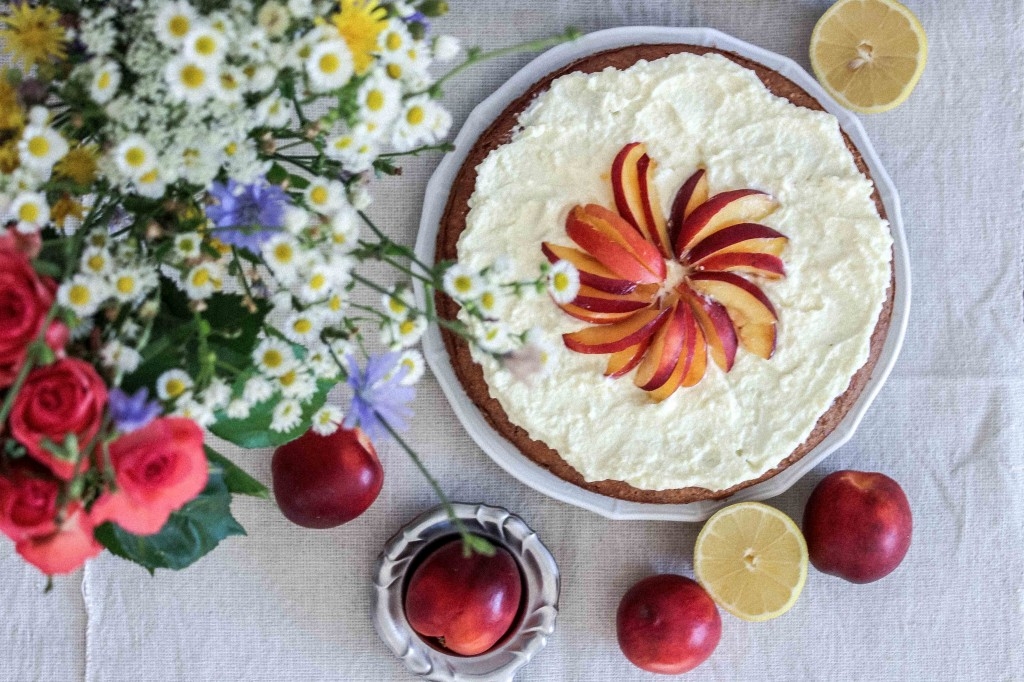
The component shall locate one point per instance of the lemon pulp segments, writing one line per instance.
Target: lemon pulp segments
(752, 560)
(869, 54)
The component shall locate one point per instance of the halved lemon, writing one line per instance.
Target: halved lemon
(752, 560)
(869, 54)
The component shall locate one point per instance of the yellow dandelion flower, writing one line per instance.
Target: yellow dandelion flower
(12, 116)
(34, 35)
(66, 207)
(360, 23)
(79, 164)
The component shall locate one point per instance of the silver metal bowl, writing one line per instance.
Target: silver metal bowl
(534, 624)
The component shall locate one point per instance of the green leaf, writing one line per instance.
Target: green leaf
(237, 481)
(277, 174)
(190, 533)
(254, 431)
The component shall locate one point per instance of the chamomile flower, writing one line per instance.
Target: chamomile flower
(257, 390)
(40, 148)
(356, 148)
(316, 283)
(446, 48)
(273, 357)
(231, 84)
(106, 78)
(412, 362)
(402, 334)
(380, 100)
(326, 420)
(96, 261)
(173, 22)
(173, 384)
(344, 231)
(563, 281)
(273, 18)
(419, 123)
(396, 304)
(187, 245)
(335, 307)
(204, 45)
(329, 66)
(151, 184)
(275, 111)
(303, 327)
(461, 283)
(296, 219)
(321, 363)
(300, 8)
(325, 196)
(119, 357)
(490, 301)
(297, 383)
(237, 409)
(203, 280)
(190, 81)
(394, 40)
(493, 337)
(135, 156)
(30, 210)
(196, 411)
(131, 284)
(281, 253)
(217, 394)
(286, 416)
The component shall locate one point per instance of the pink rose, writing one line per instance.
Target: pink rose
(25, 300)
(65, 397)
(157, 468)
(28, 502)
(69, 545)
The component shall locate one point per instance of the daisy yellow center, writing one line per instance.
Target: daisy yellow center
(407, 327)
(29, 213)
(317, 282)
(103, 82)
(396, 305)
(393, 41)
(149, 176)
(335, 304)
(329, 63)
(375, 100)
(394, 71)
(79, 294)
(187, 245)
(206, 46)
(273, 358)
(288, 378)
(415, 115)
(201, 278)
(343, 143)
(302, 326)
(487, 300)
(135, 157)
(192, 76)
(96, 262)
(231, 149)
(463, 284)
(283, 253)
(319, 195)
(561, 281)
(325, 418)
(178, 25)
(228, 82)
(125, 284)
(175, 387)
(409, 364)
(38, 146)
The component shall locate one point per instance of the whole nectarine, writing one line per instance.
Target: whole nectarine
(857, 525)
(325, 481)
(667, 624)
(466, 603)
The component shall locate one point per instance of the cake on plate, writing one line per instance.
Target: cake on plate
(734, 260)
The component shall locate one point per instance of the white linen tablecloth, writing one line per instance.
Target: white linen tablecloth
(288, 603)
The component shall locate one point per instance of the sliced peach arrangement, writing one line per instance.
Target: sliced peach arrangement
(666, 334)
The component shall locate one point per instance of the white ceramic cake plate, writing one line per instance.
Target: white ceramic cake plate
(507, 455)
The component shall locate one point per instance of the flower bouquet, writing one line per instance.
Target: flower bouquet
(183, 188)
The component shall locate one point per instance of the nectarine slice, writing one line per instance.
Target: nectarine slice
(722, 210)
(760, 264)
(740, 238)
(620, 363)
(666, 346)
(692, 194)
(592, 273)
(689, 356)
(593, 316)
(612, 338)
(590, 298)
(716, 328)
(654, 225)
(616, 227)
(752, 314)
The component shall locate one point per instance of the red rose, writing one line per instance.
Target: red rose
(157, 469)
(68, 546)
(25, 299)
(65, 397)
(28, 503)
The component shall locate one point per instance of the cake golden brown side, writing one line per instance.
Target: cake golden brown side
(453, 222)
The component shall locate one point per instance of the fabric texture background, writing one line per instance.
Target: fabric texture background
(288, 603)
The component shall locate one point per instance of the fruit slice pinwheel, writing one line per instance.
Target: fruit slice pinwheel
(670, 333)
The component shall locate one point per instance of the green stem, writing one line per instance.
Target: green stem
(379, 253)
(475, 56)
(442, 147)
(408, 253)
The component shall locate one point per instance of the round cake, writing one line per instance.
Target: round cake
(734, 262)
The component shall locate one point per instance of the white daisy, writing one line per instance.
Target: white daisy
(415, 125)
(493, 337)
(490, 301)
(380, 100)
(173, 22)
(189, 80)
(204, 45)
(402, 334)
(256, 390)
(119, 357)
(106, 78)
(196, 411)
(275, 111)
(359, 196)
(321, 363)
(173, 384)
(286, 416)
(39, 148)
(296, 219)
(231, 83)
(325, 196)
(297, 383)
(345, 231)
(96, 261)
(203, 280)
(461, 283)
(273, 357)
(273, 18)
(237, 409)
(446, 48)
(563, 281)
(303, 327)
(326, 420)
(394, 40)
(186, 245)
(396, 304)
(30, 210)
(316, 283)
(412, 361)
(300, 8)
(151, 184)
(335, 307)
(217, 394)
(131, 284)
(135, 156)
(281, 253)
(329, 66)
(82, 294)
(261, 78)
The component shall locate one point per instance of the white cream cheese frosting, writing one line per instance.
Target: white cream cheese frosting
(690, 111)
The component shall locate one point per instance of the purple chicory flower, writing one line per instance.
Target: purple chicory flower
(247, 215)
(131, 412)
(378, 395)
